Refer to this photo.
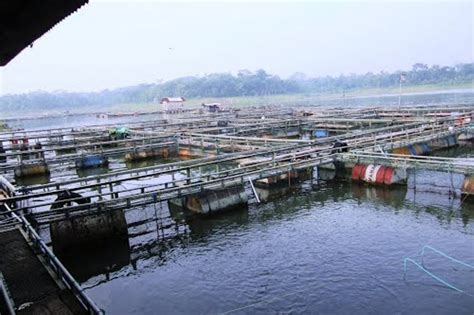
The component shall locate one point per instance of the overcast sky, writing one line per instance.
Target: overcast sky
(111, 44)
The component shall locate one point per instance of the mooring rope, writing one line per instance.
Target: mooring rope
(264, 301)
(429, 273)
(444, 255)
(407, 259)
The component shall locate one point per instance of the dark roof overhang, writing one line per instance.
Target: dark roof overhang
(24, 21)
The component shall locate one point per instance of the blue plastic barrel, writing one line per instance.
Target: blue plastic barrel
(412, 150)
(451, 140)
(91, 161)
(426, 148)
(321, 133)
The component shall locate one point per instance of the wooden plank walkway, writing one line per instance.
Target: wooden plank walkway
(31, 286)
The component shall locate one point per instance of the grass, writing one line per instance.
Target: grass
(333, 98)
(295, 99)
(4, 127)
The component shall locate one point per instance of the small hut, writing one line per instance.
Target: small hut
(212, 107)
(173, 104)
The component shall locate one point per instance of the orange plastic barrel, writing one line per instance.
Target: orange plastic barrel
(468, 185)
(402, 151)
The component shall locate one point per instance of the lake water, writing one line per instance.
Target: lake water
(464, 96)
(333, 248)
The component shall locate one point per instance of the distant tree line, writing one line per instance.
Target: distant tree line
(245, 83)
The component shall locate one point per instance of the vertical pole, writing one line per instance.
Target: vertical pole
(111, 188)
(177, 143)
(452, 184)
(414, 179)
(99, 189)
(254, 191)
(315, 174)
(400, 94)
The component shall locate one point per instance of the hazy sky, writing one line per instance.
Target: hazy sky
(110, 44)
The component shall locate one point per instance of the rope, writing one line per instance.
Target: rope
(266, 301)
(429, 273)
(444, 255)
(422, 268)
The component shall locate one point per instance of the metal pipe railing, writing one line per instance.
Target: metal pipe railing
(63, 274)
(5, 297)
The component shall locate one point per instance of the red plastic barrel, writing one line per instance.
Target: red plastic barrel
(371, 173)
(358, 172)
(379, 178)
(388, 176)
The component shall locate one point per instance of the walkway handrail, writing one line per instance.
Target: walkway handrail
(156, 170)
(66, 278)
(458, 165)
(237, 174)
(416, 157)
(5, 296)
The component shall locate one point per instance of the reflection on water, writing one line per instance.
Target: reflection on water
(393, 195)
(467, 210)
(86, 262)
(92, 245)
(274, 193)
(33, 180)
(201, 226)
(94, 171)
(152, 162)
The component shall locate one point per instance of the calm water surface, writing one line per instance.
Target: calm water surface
(329, 249)
(463, 96)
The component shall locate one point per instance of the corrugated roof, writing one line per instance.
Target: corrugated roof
(172, 99)
(24, 21)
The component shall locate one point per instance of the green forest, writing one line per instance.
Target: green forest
(245, 83)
